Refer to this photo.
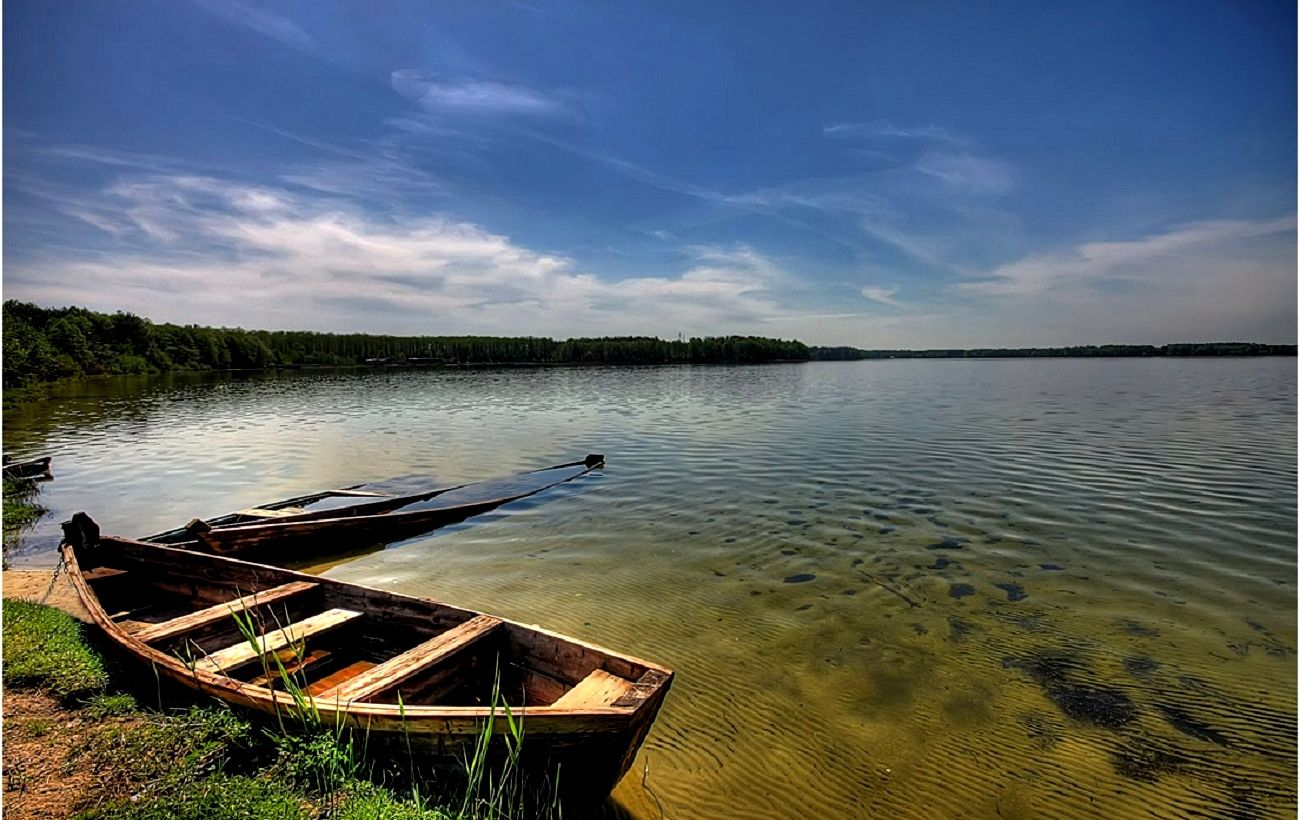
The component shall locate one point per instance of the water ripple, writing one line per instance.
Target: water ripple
(911, 589)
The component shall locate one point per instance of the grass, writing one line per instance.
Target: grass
(205, 761)
(45, 648)
(221, 797)
(104, 705)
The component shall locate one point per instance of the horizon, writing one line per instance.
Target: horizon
(685, 338)
(883, 178)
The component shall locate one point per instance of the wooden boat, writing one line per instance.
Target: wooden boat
(405, 671)
(361, 516)
(28, 469)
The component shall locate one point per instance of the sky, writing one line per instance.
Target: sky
(877, 174)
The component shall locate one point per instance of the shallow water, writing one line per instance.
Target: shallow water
(900, 588)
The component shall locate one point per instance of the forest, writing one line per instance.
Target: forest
(44, 344)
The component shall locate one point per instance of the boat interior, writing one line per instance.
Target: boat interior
(342, 642)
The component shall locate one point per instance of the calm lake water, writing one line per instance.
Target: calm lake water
(900, 588)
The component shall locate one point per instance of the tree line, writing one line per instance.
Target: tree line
(1080, 351)
(43, 344)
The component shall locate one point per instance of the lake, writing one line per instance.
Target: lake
(918, 588)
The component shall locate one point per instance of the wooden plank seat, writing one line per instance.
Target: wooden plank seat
(258, 512)
(600, 688)
(396, 670)
(220, 612)
(274, 640)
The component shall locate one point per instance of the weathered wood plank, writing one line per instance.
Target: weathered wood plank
(204, 617)
(259, 512)
(392, 673)
(597, 689)
(646, 686)
(244, 652)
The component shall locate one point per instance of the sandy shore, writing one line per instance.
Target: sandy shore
(32, 584)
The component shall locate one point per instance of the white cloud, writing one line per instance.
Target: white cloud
(211, 251)
(1216, 280)
(884, 296)
(472, 96)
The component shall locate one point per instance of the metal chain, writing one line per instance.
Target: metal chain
(53, 580)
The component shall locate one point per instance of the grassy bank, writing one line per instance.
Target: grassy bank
(80, 742)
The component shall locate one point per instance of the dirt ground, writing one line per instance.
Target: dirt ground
(40, 780)
(32, 584)
(39, 734)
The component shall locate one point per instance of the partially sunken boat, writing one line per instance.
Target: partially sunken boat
(361, 516)
(28, 468)
(416, 676)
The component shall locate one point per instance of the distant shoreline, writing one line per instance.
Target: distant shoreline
(1179, 350)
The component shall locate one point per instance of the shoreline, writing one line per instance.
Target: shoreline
(31, 585)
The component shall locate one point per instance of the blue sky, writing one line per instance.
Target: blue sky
(877, 174)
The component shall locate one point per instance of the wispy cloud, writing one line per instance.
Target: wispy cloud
(883, 129)
(1213, 280)
(473, 96)
(958, 169)
(260, 20)
(1158, 260)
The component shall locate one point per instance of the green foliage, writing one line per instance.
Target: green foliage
(105, 704)
(171, 749)
(222, 797)
(39, 727)
(42, 344)
(320, 762)
(20, 507)
(366, 801)
(46, 649)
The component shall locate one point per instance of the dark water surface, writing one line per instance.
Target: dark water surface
(901, 588)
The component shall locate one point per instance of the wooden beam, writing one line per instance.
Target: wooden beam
(213, 614)
(393, 672)
(597, 689)
(244, 651)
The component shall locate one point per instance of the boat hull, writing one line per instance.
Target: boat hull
(30, 469)
(378, 521)
(591, 746)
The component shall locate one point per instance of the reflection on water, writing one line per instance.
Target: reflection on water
(912, 588)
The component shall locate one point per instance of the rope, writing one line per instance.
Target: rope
(645, 776)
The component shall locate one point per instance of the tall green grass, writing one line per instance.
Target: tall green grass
(328, 758)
